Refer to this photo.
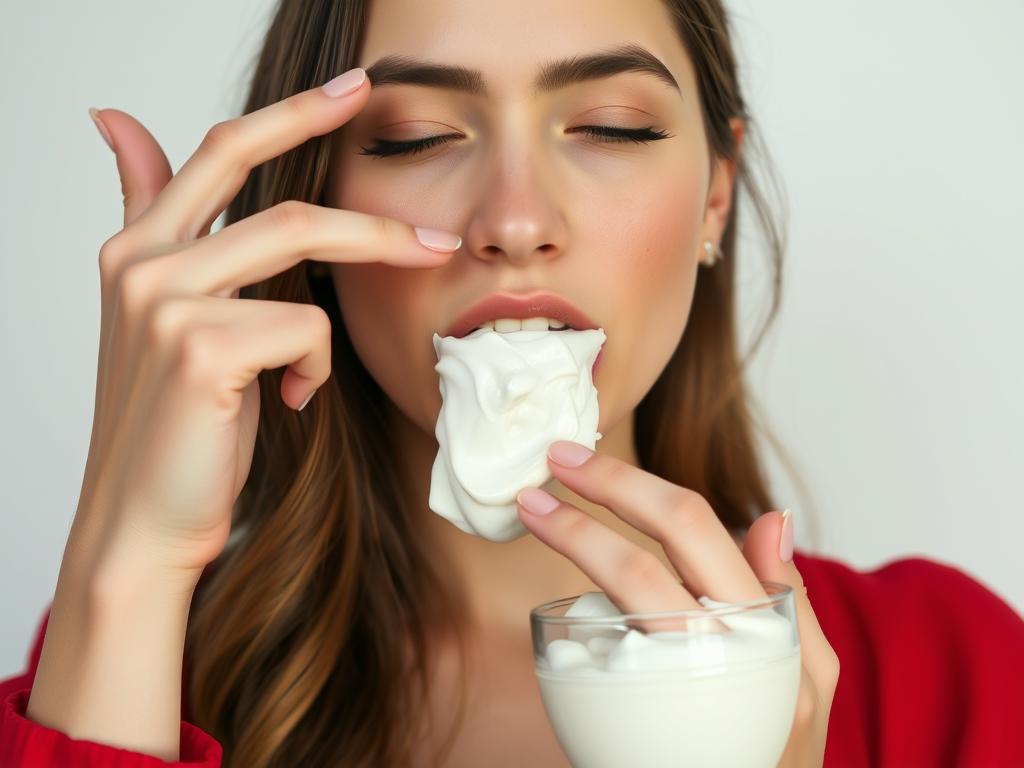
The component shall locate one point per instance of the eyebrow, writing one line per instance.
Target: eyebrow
(553, 75)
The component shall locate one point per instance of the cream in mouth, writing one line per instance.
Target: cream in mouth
(506, 396)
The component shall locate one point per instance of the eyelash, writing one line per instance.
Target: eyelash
(384, 148)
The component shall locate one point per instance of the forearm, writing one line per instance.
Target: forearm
(110, 669)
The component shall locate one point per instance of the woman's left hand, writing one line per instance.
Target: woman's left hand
(699, 548)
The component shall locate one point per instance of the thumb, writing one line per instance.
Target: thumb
(141, 163)
(762, 550)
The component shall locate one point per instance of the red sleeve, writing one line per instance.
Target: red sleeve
(25, 743)
(931, 666)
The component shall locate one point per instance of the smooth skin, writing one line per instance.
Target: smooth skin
(177, 404)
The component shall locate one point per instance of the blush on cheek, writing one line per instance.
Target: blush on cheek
(659, 240)
(648, 275)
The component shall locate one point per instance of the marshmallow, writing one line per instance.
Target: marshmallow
(752, 635)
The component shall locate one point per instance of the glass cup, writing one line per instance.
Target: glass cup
(713, 686)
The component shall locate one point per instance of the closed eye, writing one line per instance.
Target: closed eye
(606, 134)
(636, 135)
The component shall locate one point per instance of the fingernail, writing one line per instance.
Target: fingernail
(786, 538)
(569, 454)
(437, 240)
(536, 501)
(95, 115)
(306, 401)
(345, 83)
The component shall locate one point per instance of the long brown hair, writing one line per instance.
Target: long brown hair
(307, 644)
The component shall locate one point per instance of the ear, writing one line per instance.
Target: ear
(723, 177)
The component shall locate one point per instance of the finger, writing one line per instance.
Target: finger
(761, 550)
(808, 731)
(269, 242)
(632, 578)
(694, 539)
(250, 335)
(215, 173)
(141, 163)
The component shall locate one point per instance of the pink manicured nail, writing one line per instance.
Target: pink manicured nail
(438, 240)
(95, 115)
(569, 454)
(786, 538)
(306, 401)
(536, 501)
(344, 83)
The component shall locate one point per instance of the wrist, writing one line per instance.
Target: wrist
(122, 579)
(113, 594)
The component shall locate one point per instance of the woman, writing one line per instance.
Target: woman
(465, 150)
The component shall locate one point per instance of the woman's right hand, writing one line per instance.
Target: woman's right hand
(177, 406)
(177, 401)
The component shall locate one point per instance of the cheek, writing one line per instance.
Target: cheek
(652, 253)
(383, 309)
(645, 230)
(660, 241)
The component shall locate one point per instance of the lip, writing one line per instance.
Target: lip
(519, 306)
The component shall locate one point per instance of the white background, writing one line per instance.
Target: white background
(893, 376)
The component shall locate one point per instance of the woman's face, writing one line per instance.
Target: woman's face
(615, 228)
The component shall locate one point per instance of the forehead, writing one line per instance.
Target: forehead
(508, 40)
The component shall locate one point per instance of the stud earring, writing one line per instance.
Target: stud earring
(713, 254)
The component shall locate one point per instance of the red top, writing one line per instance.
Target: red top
(932, 674)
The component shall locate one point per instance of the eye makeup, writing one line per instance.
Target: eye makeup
(603, 133)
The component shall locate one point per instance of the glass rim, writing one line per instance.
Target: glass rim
(780, 593)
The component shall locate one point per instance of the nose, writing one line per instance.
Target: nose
(520, 216)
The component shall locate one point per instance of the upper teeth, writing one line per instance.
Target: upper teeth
(509, 324)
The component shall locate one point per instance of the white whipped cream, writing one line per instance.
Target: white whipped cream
(505, 398)
(720, 698)
(748, 636)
